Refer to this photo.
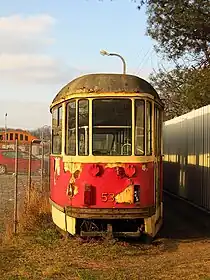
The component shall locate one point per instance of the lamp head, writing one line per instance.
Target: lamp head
(103, 52)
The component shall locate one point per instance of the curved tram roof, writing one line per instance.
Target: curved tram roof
(105, 83)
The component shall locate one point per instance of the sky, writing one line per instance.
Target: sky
(46, 44)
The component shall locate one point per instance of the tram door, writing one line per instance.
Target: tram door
(157, 168)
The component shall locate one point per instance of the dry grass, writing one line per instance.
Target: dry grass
(44, 254)
(40, 252)
(33, 214)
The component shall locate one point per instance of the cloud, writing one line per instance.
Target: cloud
(20, 34)
(35, 68)
(24, 43)
(26, 25)
(38, 113)
(23, 61)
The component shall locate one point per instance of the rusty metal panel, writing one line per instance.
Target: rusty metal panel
(187, 156)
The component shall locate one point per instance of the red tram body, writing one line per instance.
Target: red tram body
(106, 162)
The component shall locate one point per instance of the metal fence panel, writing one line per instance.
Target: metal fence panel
(187, 156)
(23, 179)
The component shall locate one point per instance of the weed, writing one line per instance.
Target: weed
(47, 237)
(87, 274)
(32, 215)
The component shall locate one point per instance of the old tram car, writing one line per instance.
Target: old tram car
(106, 165)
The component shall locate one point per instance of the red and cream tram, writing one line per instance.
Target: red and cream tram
(106, 164)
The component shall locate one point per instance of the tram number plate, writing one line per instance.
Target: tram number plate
(107, 197)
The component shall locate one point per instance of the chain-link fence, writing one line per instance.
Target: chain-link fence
(22, 168)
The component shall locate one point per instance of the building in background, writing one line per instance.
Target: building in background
(8, 138)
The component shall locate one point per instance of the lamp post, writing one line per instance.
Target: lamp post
(103, 52)
(5, 128)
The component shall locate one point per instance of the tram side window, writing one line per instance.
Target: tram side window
(112, 121)
(83, 121)
(71, 128)
(139, 127)
(157, 131)
(60, 116)
(149, 127)
(56, 130)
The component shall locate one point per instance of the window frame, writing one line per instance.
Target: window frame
(147, 151)
(135, 126)
(114, 126)
(5, 153)
(158, 121)
(133, 100)
(75, 153)
(57, 123)
(87, 137)
(11, 138)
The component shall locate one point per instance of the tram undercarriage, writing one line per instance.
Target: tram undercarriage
(106, 222)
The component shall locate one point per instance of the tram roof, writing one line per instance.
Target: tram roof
(105, 83)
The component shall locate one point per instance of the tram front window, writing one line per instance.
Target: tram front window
(112, 122)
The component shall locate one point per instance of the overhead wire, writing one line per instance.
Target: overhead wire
(142, 62)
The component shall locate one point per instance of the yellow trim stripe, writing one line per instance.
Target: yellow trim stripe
(108, 159)
(104, 94)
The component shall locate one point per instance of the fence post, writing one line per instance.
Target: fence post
(48, 175)
(15, 187)
(29, 172)
(42, 163)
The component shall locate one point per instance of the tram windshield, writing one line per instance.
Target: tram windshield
(111, 127)
(112, 122)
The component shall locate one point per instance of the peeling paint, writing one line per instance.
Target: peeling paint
(72, 167)
(57, 168)
(111, 187)
(72, 190)
(127, 196)
(112, 165)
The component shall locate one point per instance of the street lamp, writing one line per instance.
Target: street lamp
(5, 129)
(103, 52)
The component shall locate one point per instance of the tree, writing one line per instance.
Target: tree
(182, 89)
(46, 132)
(181, 28)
